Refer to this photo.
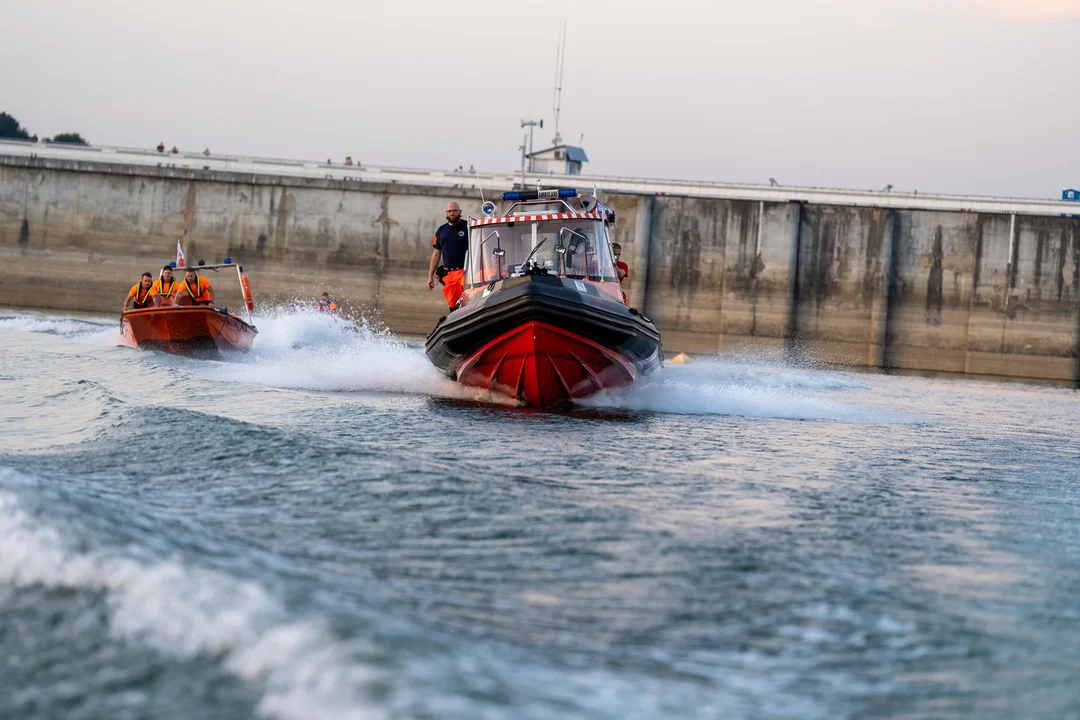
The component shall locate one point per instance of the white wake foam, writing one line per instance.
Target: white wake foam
(186, 611)
(94, 331)
(290, 329)
(302, 349)
(713, 386)
(307, 350)
(310, 351)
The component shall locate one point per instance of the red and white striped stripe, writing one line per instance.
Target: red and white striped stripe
(535, 218)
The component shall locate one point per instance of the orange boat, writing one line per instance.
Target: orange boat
(193, 330)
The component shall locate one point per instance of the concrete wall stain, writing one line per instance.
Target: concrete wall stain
(1040, 243)
(872, 260)
(189, 210)
(382, 250)
(281, 224)
(1062, 261)
(1074, 235)
(934, 282)
(819, 274)
(756, 266)
(744, 261)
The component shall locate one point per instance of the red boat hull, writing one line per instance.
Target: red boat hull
(187, 330)
(544, 366)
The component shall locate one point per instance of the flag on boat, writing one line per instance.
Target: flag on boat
(179, 254)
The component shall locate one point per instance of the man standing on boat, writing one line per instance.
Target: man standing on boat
(452, 242)
(196, 288)
(621, 268)
(140, 295)
(164, 287)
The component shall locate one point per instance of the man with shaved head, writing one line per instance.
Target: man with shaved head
(451, 242)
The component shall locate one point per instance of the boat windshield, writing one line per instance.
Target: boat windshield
(573, 248)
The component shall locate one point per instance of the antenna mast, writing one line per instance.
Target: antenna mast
(560, 55)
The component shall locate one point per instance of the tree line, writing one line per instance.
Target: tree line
(10, 128)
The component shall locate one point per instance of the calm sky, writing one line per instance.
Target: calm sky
(957, 96)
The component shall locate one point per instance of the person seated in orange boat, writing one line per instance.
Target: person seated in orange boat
(164, 287)
(140, 295)
(452, 242)
(328, 306)
(194, 290)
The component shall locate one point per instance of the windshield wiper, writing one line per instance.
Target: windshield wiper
(526, 261)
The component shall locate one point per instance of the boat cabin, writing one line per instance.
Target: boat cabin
(546, 236)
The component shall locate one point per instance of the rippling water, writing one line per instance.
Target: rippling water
(328, 528)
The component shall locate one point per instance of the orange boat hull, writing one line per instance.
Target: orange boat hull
(191, 330)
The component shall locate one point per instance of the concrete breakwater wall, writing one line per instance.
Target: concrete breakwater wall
(989, 293)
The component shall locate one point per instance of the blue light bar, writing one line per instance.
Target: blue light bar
(540, 194)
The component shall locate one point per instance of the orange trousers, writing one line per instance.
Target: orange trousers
(453, 286)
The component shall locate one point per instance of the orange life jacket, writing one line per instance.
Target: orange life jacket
(201, 292)
(145, 299)
(159, 288)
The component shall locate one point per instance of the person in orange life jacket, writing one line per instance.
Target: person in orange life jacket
(621, 268)
(140, 296)
(326, 305)
(164, 287)
(452, 242)
(196, 289)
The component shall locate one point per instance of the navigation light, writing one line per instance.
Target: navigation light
(540, 194)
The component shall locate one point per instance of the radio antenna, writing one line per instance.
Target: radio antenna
(560, 56)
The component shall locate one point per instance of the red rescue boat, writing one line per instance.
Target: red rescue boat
(543, 319)
(193, 330)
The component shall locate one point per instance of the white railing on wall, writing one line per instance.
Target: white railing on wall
(496, 182)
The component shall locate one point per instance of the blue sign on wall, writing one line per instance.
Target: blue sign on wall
(1073, 195)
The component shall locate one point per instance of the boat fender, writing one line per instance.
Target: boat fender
(247, 292)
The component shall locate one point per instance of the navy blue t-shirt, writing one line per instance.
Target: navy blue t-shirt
(453, 240)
